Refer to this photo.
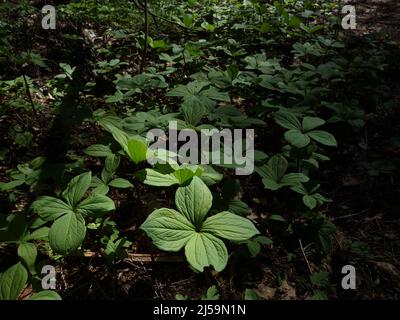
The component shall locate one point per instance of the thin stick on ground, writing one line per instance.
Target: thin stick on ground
(305, 257)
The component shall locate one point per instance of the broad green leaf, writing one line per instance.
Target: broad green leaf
(49, 208)
(186, 173)
(67, 233)
(277, 167)
(98, 150)
(309, 201)
(238, 207)
(155, 178)
(192, 112)
(287, 120)
(39, 234)
(230, 226)
(120, 136)
(254, 247)
(96, 204)
(178, 91)
(212, 294)
(291, 179)
(105, 176)
(323, 137)
(112, 163)
(12, 281)
(310, 123)
(28, 253)
(120, 183)
(297, 138)
(214, 94)
(194, 201)
(210, 176)
(203, 250)
(77, 187)
(102, 189)
(168, 229)
(137, 150)
(271, 184)
(45, 295)
(8, 186)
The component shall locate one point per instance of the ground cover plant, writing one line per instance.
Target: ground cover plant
(111, 185)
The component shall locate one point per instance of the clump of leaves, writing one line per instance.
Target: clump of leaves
(300, 134)
(189, 228)
(68, 229)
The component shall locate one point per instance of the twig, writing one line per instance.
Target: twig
(305, 257)
(350, 215)
(146, 33)
(141, 257)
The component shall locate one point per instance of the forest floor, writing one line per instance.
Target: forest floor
(365, 210)
(378, 16)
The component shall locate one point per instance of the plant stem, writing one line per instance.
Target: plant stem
(146, 32)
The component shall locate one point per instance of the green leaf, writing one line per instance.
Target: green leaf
(271, 184)
(192, 112)
(168, 229)
(49, 208)
(188, 20)
(297, 138)
(155, 178)
(214, 94)
(254, 247)
(96, 204)
(250, 294)
(238, 207)
(101, 189)
(105, 176)
(277, 167)
(98, 150)
(212, 294)
(323, 137)
(309, 201)
(210, 176)
(203, 250)
(287, 120)
(120, 183)
(39, 234)
(77, 187)
(230, 226)
(185, 174)
(194, 201)
(112, 163)
(45, 295)
(12, 281)
(137, 150)
(277, 217)
(28, 253)
(11, 185)
(310, 123)
(291, 179)
(67, 233)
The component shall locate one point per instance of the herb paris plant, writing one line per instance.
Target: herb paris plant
(171, 230)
